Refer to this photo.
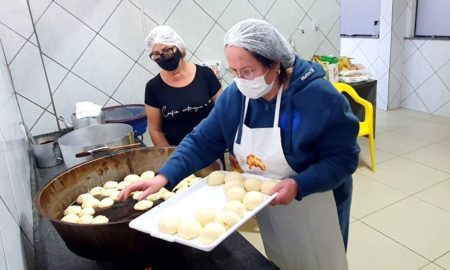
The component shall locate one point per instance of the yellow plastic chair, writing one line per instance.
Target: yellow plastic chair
(366, 126)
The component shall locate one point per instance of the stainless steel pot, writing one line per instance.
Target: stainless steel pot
(88, 138)
(78, 123)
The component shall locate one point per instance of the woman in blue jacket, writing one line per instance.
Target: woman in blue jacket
(280, 115)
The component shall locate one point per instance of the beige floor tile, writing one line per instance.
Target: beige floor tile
(364, 155)
(444, 261)
(352, 219)
(407, 176)
(431, 266)
(426, 130)
(440, 119)
(434, 155)
(370, 196)
(415, 224)
(369, 249)
(398, 144)
(411, 113)
(387, 121)
(438, 195)
(445, 142)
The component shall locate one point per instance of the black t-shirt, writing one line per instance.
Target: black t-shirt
(182, 108)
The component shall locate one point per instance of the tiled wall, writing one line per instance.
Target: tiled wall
(412, 73)
(94, 50)
(16, 219)
(375, 54)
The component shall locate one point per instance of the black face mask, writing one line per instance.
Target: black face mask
(170, 64)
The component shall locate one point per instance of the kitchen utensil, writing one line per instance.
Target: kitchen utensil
(132, 114)
(105, 148)
(78, 123)
(115, 239)
(92, 137)
(46, 152)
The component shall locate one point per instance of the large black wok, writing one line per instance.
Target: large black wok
(114, 240)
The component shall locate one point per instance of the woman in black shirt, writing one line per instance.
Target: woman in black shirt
(181, 95)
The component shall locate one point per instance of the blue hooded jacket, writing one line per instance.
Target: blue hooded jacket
(318, 133)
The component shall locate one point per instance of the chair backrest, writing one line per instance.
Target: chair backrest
(368, 108)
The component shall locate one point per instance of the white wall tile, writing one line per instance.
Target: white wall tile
(444, 110)
(408, 49)
(11, 240)
(125, 30)
(417, 69)
(201, 22)
(132, 89)
(2, 253)
(325, 13)
(148, 63)
(237, 11)
(31, 112)
(38, 8)
(413, 102)
(92, 13)
(46, 124)
(11, 41)
(326, 48)
(74, 90)
(306, 4)
(444, 74)
(14, 13)
(55, 72)
(215, 7)
(157, 10)
(212, 46)
(62, 36)
(436, 52)
(29, 79)
(434, 93)
(281, 16)
(306, 49)
(6, 192)
(103, 65)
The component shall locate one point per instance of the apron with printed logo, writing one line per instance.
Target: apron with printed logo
(303, 235)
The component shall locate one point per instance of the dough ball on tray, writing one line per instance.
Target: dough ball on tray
(235, 206)
(83, 197)
(148, 175)
(71, 218)
(123, 184)
(96, 191)
(132, 178)
(235, 194)
(86, 219)
(100, 219)
(233, 183)
(252, 199)
(211, 232)
(231, 176)
(216, 178)
(143, 205)
(110, 184)
(106, 203)
(268, 185)
(252, 184)
(169, 224)
(90, 203)
(205, 215)
(189, 228)
(87, 211)
(72, 209)
(108, 192)
(228, 218)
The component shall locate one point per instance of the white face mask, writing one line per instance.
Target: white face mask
(255, 88)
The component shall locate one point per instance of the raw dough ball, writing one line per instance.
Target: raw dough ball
(154, 197)
(86, 219)
(114, 195)
(108, 192)
(143, 205)
(72, 209)
(96, 191)
(267, 185)
(123, 184)
(110, 184)
(211, 232)
(136, 195)
(167, 195)
(235, 194)
(71, 218)
(252, 184)
(169, 224)
(205, 216)
(194, 180)
(252, 199)
(132, 178)
(106, 203)
(148, 174)
(189, 228)
(87, 211)
(216, 178)
(83, 197)
(234, 176)
(235, 206)
(90, 203)
(228, 218)
(100, 220)
(233, 183)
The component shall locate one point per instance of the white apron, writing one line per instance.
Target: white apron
(303, 235)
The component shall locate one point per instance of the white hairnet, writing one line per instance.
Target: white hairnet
(163, 34)
(260, 37)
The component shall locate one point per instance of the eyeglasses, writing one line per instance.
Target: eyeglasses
(166, 53)
(246, 73)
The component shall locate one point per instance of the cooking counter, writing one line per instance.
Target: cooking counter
(51, 252)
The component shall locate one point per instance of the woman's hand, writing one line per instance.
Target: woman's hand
(287, 191)
(148, 186)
